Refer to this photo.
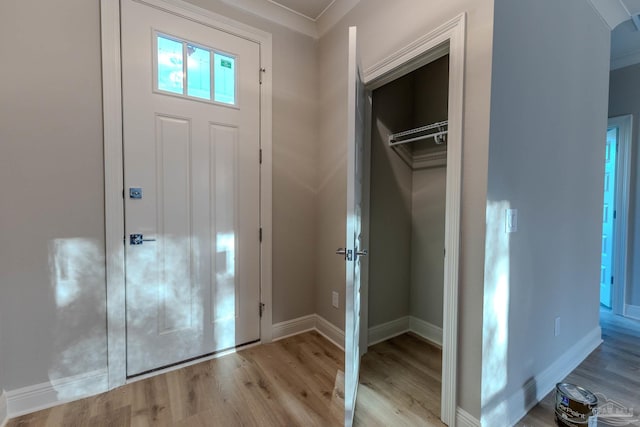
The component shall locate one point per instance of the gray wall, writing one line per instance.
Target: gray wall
(624, 98)
(546, 158)
(427, 244)
(431, 88)
(52, 283)
(390, 228)
(383, 28)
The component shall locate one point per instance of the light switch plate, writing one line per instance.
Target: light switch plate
(511, 220)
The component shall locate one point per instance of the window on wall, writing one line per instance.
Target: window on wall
(194, 71)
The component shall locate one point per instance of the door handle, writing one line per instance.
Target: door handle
(138, 239)
(347, 253)
(361, 252)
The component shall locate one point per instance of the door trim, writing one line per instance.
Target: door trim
(622, 188)
(114, 168)
(413, 56)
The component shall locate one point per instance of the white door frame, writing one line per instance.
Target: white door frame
(621, 224)
(114, 168)
(413, 56)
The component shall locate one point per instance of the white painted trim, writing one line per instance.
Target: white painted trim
(520, 402)
(612, 12)
(465, 419)
(312, 322)
(294, 327)
(332, 15)
(622, 188)
(4, 413)
(113, 187)
(388, 330)
(626, 60)
(330, 331)
(113, 167)
(426, 330)
(266, 188)
(448, 38)
(278, 14)
(632, 311)
(42, 396)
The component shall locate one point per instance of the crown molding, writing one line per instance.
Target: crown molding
(612, 12)
(277, 14)
(333, 14)
(296, 21)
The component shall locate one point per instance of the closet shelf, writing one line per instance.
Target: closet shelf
(434, 130)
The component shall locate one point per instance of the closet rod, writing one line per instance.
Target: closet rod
(393, 139)
(419, 138)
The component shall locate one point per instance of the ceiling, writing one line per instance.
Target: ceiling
(310, 9)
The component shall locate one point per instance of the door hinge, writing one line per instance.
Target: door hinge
(614, 214)
(260, 234)
(260, 73)
(123, 193)
(261, 308)
(612, 280)
(261, 156)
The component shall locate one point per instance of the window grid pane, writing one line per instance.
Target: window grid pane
(199, 72)
(170, 65)
(224, 78)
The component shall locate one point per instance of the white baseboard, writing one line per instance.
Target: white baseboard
(307, 323)
(330, 331)
(42, 396)
(385, 331)
(509, 412)
(426, 330)
(632, 311)
(293, 327)
(4, 413)
(388, 330)
(465, 419)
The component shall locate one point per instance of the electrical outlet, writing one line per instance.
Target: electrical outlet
(335, 299)
(556, 327)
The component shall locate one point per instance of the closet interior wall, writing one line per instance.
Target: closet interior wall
(407, 206)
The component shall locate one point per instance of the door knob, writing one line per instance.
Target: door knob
(347, 253)
(361, 252)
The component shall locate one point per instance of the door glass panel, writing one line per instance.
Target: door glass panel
(170, 70)
(198, 72)
(224, 73)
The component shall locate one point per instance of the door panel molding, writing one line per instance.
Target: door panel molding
(448, 38)
(114, 167)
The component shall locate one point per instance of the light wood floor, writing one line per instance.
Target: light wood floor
(297, 381)
(400, 382)
(287, 383)
(613, 370)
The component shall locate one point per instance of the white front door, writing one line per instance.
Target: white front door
(191, 157)
(354, 238)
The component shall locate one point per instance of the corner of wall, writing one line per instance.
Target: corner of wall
(4, 414)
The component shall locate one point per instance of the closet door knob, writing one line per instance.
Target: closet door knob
(346, 253)
(362, 252)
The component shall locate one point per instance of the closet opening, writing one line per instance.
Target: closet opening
(407, 207)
